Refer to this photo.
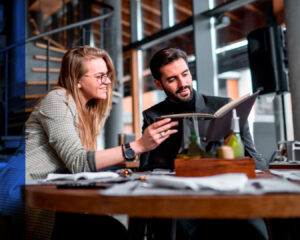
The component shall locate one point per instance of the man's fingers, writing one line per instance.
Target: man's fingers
(162, 122)
(167, 133)
(167, 127)
(171, 131)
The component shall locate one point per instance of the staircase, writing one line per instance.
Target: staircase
(42, 63)
(35, 87)
(36, 71)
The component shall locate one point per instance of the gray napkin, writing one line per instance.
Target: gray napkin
(223, 182)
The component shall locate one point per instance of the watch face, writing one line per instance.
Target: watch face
(129, 154)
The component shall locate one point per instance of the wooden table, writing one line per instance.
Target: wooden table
(284, 165)
(130, 164)
(218, 206)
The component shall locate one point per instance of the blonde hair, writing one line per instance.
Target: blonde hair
(93, 114)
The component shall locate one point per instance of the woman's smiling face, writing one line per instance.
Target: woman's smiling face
(94, 83)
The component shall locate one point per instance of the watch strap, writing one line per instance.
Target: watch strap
(127, 145)
(127, 150)
(123, 152)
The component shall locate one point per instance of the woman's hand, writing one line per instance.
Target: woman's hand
(154, 135)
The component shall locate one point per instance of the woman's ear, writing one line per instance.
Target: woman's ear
(158, 84)
(79, 85)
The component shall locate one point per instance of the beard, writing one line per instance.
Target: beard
(176, 98)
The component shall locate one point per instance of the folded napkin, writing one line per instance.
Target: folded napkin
(270, 185)
(222, 182)
(288, 174)
(81, 176)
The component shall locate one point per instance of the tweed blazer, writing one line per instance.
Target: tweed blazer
(52, 146)
(163, 156)
(52, 138)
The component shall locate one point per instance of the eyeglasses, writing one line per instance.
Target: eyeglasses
(102, 78)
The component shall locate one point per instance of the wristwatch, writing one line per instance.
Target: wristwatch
(128, 152)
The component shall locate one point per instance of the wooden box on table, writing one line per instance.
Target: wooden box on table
(212, 166)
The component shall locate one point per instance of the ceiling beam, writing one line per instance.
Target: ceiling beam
(183, 10)
(151, 9)
(147, 21)
(125, 11)
(162, 36)
(148, 33)
(126, 34)
(252, 8)
(125, 23)
(226, 7)
(233, 17)
(152, 23)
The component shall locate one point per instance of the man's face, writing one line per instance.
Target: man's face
(176, 81)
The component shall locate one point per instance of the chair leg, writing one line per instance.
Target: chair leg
(136, 228)
(173, 229)
(268, 228)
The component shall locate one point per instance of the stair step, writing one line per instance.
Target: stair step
(54, 43)
(41, 83)
(55, 49)
(37, 32)
(54, 59)
(33, 96)
(27, 110)
(45, 70)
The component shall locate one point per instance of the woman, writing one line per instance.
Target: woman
(61, 131)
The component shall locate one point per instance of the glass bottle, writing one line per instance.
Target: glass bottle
(194, 148)
(235, 140)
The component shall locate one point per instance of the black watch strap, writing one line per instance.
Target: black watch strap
(123, 151)
(129, 153)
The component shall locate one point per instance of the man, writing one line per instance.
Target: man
(171, 74)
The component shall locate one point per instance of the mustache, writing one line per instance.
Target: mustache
(182, 88)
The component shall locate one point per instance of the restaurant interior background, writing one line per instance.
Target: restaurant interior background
(212, 32)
